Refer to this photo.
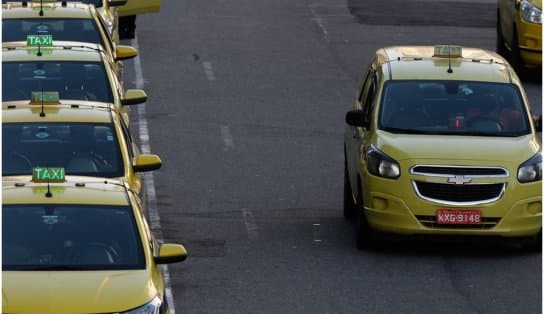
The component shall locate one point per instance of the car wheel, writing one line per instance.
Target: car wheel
(366, 236)
(349, 204)
(515, 60)
(500, 47)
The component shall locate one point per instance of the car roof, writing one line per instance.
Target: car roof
(15, 10)
(418, 63)
(71, 111)
(76, 190)
(60, 51)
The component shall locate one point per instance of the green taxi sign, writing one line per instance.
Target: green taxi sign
(44, 98)
(447, 51)
(48, 175)
(39, 40)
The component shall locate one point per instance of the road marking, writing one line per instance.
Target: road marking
(319, 20)
(227, 137)
(251, 226)
(155, 220)
(208, 70)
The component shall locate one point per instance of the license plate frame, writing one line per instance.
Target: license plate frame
(458, 216)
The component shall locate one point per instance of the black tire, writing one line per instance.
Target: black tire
(515, 59)
(500, 47)
(366, 236)
(349, 204)
(535, 243)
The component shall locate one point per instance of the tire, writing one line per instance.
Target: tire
(349, 204)
(515, 59)
(500, 47)
(366, 236)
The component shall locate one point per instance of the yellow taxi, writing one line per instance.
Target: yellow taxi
(73, 22)
(440, 140)
(84, 138)
(76, 72)
(519, 32)
(80, 245)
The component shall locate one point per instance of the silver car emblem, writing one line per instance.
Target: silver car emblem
(459, 180)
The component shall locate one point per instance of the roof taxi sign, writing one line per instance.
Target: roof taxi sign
(39, 40)
(48, 175)
(44, 98)
(447, 51)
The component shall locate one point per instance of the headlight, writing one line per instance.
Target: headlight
(380, 164)
(530, 13)
(531, 170)
(152, 307)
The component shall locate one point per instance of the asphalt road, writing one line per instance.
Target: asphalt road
(246, 108)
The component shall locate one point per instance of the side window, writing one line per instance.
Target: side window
(128, 139)
(368, 91)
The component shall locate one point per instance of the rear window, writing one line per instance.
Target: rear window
(453, 107)
(80, 148)
(82, 30)
(72, 79)
(70, 237)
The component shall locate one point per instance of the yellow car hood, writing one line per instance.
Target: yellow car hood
(448, 147)
(537, 3)
(60, 292)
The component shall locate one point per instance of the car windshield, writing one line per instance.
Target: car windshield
(82, 30)
(70, 237)
(72, 79)
(453, 108)
(85, 149)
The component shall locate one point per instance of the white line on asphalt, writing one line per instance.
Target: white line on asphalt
(154, 218)
(319, 20)
(227, 137)
(208, 70)
(251, 226)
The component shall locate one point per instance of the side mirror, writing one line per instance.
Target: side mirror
(117, 3)
(134, 97)
(537, 121)
(146, 163)
(356, 118)
(170, 253)
(123, 52)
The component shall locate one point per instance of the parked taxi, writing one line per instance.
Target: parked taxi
(84, 138)
(73, 22)
(441, 140)
(75, 71)
(80, 245)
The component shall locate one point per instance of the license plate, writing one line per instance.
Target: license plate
(458, 216)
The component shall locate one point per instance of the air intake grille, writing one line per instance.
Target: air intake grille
(459, 193)
(466, 171)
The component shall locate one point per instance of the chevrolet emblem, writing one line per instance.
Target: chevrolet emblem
(459, 180)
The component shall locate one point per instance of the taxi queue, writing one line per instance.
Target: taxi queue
(71, 169)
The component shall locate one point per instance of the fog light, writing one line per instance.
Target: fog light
(534, 208)
(379, 203)
(530, 43)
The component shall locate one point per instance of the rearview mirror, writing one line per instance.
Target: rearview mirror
(171, 253)
(356, 118)
(134, 97)
(123, 52)
(117, 3)
(146, 163)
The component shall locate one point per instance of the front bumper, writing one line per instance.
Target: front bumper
(393, 206)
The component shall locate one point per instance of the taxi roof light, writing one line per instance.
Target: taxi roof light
(44, 98)
(48, 175)
(447, 51)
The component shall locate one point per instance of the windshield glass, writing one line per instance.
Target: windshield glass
(80, 148)
(70, 237)
(453, 107)
(82, 30)
(72, 79)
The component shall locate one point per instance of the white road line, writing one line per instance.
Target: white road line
(208, 70)
(155, 221)
(251, 226)
(227, 137)
(319, 20)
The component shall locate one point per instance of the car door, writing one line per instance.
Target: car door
(355, 135)
(134, 7)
